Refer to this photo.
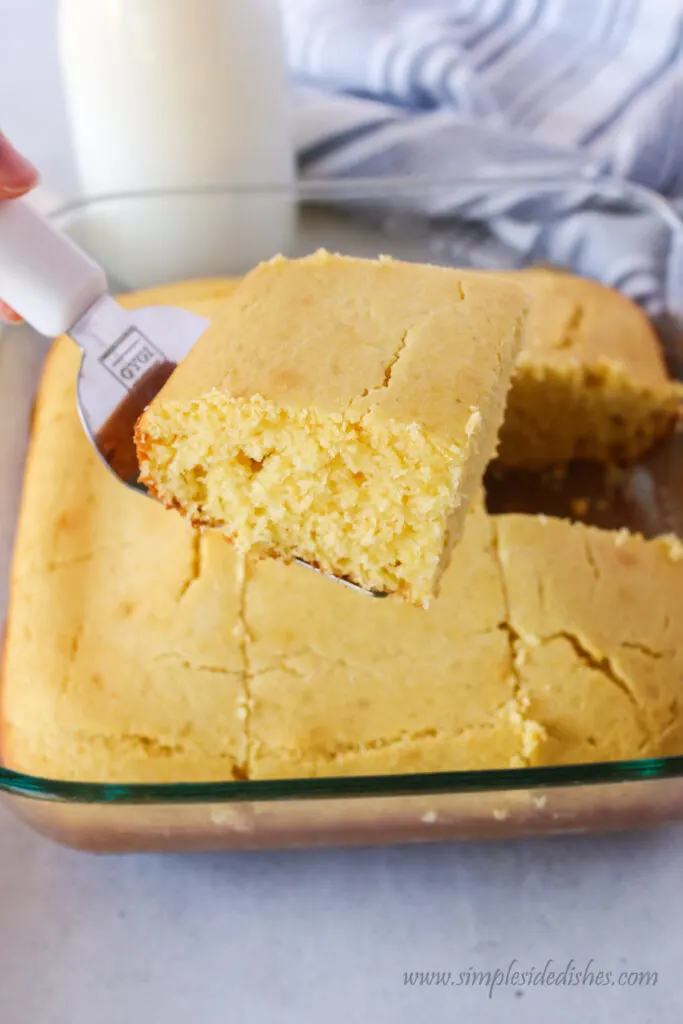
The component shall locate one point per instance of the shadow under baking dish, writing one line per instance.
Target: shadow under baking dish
(146, 239)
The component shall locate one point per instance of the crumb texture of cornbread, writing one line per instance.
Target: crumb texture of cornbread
(590, 381)
(340, 411)
(137, 651)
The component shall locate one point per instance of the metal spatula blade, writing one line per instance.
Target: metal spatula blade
(127, 356)
(127, 359)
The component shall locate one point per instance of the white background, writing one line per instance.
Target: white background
(311, 936)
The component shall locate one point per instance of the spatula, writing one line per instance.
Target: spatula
(127, 356)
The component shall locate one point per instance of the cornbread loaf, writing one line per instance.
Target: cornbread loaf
(136, 650)
(341, 411)
(590, 381)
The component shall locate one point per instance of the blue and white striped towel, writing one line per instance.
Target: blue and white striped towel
(569, 88)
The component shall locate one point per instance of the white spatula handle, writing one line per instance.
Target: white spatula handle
(44, 276)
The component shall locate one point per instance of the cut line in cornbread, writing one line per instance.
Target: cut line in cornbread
(590, 381)
(340, 411)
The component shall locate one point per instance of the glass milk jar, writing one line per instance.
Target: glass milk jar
(178, 94)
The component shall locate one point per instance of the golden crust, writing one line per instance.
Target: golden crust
(111, 649)
(339, 684)
(576, 320)
(328, 327)
(593, 619)
(590, 380)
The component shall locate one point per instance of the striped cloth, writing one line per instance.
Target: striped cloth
(561, 88)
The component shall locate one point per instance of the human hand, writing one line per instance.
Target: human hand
(17, 176)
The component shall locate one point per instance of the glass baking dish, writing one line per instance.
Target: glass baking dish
(491, 222)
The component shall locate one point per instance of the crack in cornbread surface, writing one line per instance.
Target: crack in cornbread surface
(590, 381)
(340, 685)
(594, 619)
(340, 411)
(137, 651)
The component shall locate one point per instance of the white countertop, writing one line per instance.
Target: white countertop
(308, 936)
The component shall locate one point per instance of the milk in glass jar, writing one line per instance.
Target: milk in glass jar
(179, 110)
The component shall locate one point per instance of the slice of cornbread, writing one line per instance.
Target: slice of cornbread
(123, 656)
(340, 411)
(590, 381)
(594, 620)
(340, 686)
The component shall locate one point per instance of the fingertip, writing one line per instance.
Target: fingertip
(17, 174)
(8, 315)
